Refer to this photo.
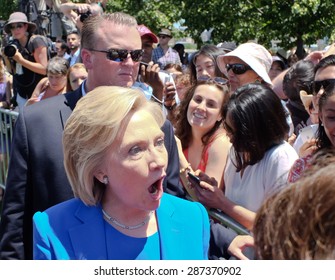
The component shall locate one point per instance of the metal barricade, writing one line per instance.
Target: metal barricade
(7, 118)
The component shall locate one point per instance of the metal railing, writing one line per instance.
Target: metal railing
(225, 220)
(7, 120)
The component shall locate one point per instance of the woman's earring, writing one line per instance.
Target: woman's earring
(105, 180)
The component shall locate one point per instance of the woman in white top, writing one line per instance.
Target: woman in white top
(259, 159)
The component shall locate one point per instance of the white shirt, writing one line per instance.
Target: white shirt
(261, 179)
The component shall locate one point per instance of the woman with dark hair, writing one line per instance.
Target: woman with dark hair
(299, 77)
(259, 159)
(325, 138)
(323, 90)
(204, 63)
(204, 143)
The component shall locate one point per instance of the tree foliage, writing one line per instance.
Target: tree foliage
(7, 7)
(293, 22)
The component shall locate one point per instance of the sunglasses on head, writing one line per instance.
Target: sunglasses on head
(238, 68)
(16, 26)
(216, 80)
(317, 85)
(119, 55)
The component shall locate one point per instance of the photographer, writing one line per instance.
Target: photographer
(25, 56)
(78, 12)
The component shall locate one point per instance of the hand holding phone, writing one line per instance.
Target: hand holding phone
(193, 179)
(307, 133)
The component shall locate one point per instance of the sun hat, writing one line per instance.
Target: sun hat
(165, 31)
(255, 55)
(276, 58)
(306, 99)
(146, 31)
(19, 17)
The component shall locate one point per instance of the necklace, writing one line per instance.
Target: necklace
(112, 220)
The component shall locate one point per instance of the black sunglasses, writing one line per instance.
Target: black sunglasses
(238, 68)
(17, 26)
(119, 55)
(163, 36)
(216, 80)
(317, 85)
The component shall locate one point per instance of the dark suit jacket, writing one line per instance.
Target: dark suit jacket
(80, 233)
(36, 176)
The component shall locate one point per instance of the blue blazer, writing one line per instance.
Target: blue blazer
(72, 230)
(36, 177)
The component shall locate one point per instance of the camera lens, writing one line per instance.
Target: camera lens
(84, 16)
(10, 50)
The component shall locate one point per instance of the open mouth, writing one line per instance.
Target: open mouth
(153, 189)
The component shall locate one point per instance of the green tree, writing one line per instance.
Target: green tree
(155, 14)
(294, 23)
(7, 7)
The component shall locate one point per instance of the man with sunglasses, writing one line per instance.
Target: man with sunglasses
(111, 52)
(164, 54)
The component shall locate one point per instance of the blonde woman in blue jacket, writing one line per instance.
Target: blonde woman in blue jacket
(115, 159)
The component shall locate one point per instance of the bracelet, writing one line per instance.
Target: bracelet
(185, 169)
(170, 108)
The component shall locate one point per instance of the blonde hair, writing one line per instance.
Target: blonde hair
(76, 66)
(91, 130)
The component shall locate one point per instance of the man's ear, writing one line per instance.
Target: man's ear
(86, 57)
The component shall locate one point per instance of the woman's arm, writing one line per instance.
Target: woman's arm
(217, 158)
(41, 58)
(213, 197)
(185, 167)
(40, 87)
(9, 89)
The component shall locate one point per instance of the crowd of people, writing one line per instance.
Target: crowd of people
(126, 145)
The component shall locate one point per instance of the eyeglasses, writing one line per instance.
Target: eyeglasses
(216, 80)
(119, 55)
(238, 68)
(163, 36)
(16, 26)
(324, 84)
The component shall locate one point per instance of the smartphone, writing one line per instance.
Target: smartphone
(306, 133)
(193, 179)
(144, 63)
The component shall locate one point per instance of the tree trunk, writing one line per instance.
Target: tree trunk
(300, 52)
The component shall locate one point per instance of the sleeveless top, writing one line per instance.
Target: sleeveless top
(204, 157)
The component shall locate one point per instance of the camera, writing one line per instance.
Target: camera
(84, 16)
(11, 48)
